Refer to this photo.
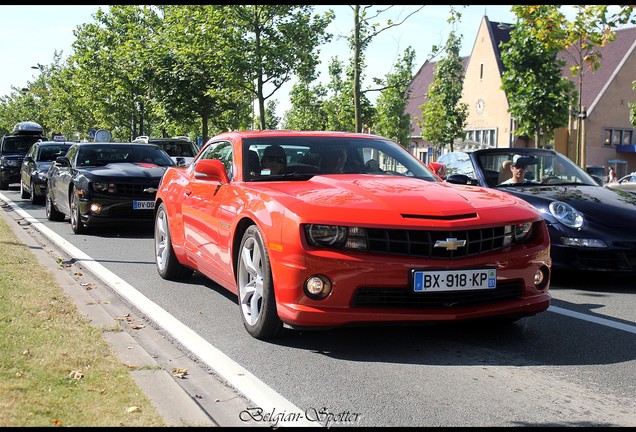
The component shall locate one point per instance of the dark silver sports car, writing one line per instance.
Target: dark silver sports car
(591, 227)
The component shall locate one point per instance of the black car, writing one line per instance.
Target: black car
(591, 227)
(13, 147)
(105, 183)
(35, 167)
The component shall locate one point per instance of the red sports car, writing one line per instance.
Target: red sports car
(324, 229)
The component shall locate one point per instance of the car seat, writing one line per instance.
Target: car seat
(505, 172)
(253, 163)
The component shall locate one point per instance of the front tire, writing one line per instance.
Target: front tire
(256, 288)
(52, 213)
(76, 217)
(23, 193)
(168, 266)
(35, 199)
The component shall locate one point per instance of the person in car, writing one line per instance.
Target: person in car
(274, 159)
(518, 167)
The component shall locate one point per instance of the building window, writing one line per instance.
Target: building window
(482, 136)
(481, 72)
(614, 137)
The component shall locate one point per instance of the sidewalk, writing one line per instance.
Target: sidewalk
(199, 398)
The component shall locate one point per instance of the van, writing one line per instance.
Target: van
(13, 148)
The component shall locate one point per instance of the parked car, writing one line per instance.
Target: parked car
(597, 172)
(104, 184)
(35, 167)
(13, 147)
(180, 148)
(320, 243)
(626, 183)
(591, 227)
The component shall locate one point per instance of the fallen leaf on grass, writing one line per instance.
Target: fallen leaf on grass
(56, 422)
(133, 409)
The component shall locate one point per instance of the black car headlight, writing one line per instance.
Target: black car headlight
(105, 187)
(336, 236)
(566, 214)
(11, 162)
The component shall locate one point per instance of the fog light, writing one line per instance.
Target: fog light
(541, 278)
(317, 287)
(95, 207)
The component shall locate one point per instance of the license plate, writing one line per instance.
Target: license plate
(454, 280)
(143, 205)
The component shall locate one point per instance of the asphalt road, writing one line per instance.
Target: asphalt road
(573, 365)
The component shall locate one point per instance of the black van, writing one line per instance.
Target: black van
(13, 147)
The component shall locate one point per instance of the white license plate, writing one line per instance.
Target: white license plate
(143, 205)
(454, 280)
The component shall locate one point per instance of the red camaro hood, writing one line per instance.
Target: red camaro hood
(394, 197)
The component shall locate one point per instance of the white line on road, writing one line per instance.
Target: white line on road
(593, 319)
(240, 378)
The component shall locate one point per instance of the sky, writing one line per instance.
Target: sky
(30, 35)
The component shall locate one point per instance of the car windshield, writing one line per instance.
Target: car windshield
(541, 168)
(49, 153)
(18, 144)
(176, 148)
(93, 155)
(274, 158)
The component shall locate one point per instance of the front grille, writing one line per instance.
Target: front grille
(604, 260)
(385, 297)
(419, 243)
(133, 189)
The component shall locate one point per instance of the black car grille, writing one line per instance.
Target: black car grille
(419, 243)
(137, 190)
(604, 260)
(385, 297)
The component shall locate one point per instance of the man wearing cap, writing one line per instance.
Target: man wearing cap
(519, 166)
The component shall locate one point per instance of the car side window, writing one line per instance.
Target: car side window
(223, 152)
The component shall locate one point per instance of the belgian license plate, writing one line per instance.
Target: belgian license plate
(143, 205)
(454, 280)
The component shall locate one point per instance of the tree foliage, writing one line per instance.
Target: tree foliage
(275, 42)
(365, 29)
(391, 118)
(443, 116)
(538, 94)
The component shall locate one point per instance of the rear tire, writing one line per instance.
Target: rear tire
(256, 288)
(168, 266)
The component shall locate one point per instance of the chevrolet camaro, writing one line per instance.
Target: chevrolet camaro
(105, 183)
(327, 229)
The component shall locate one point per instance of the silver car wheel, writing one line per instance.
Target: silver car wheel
(161, 240)
(250, 281)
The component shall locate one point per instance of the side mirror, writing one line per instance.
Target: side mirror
(461, 179)
(210, 169)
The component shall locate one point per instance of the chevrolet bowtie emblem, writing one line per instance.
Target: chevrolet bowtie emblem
(450, 244)
(150, 190)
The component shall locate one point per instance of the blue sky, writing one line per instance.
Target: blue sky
(31, 34)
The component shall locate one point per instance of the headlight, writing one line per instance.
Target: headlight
(336, 236)
(517, 233)
(105, 187)
(566, 214)
(12, 162)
